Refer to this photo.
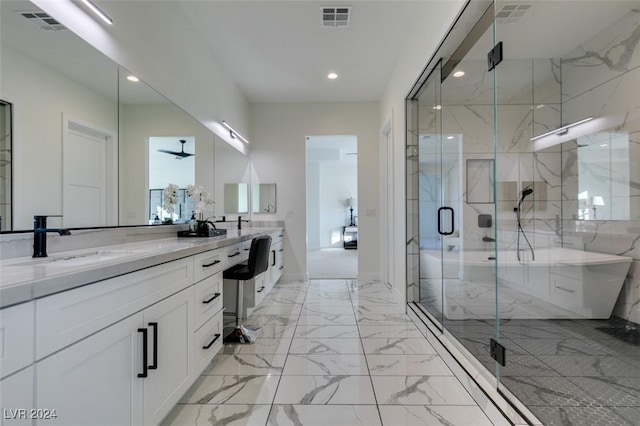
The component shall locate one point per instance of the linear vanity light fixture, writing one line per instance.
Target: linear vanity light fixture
(95, 9)
(234, 133)
(562, 130)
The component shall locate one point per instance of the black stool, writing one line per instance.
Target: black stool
(258, 263)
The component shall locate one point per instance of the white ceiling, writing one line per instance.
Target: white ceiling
(277, 51)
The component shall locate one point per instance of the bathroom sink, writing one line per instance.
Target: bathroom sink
(78, 259)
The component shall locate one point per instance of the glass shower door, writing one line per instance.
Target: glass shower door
(430, 195)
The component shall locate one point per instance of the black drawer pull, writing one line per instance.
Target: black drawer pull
(215, 296)
(247, 249)
(281, 250)
(274, 257)
(280, 236)
(260, 291)
(144, 352)
(212, 342)
(234, 254)
(154, 366)
(282, 267)
(215, 262)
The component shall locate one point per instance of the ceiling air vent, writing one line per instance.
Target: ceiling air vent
(512, 12)
(335, 17)
(43, 20)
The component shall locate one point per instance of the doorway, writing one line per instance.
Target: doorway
(332, 213)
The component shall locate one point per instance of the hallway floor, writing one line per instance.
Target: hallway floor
(332, 352)
(332, 263)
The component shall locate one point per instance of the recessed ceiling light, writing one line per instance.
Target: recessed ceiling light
(133, 78)
(449, 137)
(540, 106)
(437, 107)
(603, 144)
(332, 76)
(458, 73)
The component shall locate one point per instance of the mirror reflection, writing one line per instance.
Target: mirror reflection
(263, 198)
(232, 177)
(99, 122)
(63, 95)
(236, 198)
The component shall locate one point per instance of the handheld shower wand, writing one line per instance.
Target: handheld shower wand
(525, 193)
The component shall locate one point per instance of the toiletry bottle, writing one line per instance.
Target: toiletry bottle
(193, 223)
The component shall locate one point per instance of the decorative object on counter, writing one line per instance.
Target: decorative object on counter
(203, 200)
(170, 198)
(193, 223)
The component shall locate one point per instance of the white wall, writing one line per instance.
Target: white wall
(278, 156)
(415, 55)
(41, 95)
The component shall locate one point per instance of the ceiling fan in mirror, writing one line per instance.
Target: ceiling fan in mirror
(179, 154)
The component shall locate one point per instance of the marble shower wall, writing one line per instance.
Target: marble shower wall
(601, 78)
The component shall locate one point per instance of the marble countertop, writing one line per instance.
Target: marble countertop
(24, 278)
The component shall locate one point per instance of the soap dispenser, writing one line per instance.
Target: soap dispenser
(193, 223)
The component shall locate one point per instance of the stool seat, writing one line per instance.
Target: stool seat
(257, 263)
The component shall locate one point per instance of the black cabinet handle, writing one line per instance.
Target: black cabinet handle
(154, 366)
(144, 352)
(260, 291)
(215, 262)
(212, 342)
(234, 254)
(281, 250)
(440, 231)
(274, 258)
(247, 249)
(215, 296)
(282, 267)
(280, 236)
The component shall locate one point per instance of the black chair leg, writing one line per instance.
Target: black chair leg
(240, 334)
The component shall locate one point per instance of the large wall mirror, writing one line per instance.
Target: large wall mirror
(88, 142)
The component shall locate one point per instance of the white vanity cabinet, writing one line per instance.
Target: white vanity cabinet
(132, 372)
(16, 395)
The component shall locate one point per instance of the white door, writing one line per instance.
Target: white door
(169, 354)
(88, 180)
(95, 381)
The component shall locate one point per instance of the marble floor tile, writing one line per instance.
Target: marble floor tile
(382, 319)
(611, 391)
(326, 365)
(407, 365)
(397, 346)
(216, 415)
(420, 390)
(581, 416)
(553, 391)
(522, 366)
(260, 347)
(277, 331)
(283, 298)
(304, 390)
(271, 320)
(232, 390)
(381, 309)
(324, 415)
(328, 309)
(268, 309)
(229, 365)
(327, 332)
(326, 346)
(408, 331)
(432, 415)
(327, 319)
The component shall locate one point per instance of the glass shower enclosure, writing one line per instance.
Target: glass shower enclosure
(523, 136)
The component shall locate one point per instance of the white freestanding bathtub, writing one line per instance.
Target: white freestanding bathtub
(580, 284)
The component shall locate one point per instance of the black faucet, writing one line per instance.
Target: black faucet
(40, 235)
(240, 222)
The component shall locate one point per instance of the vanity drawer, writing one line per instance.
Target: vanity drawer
(65, 318)
(16, 338)
(208, 263)
(208, 299)
(207, 343)
(277, 237)
(234, 254)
